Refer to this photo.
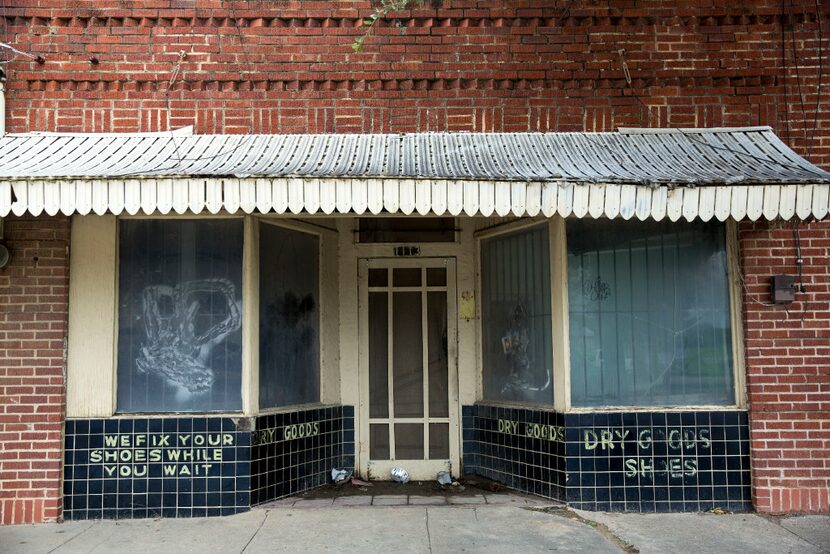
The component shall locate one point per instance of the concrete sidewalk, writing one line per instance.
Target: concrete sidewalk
(508, 523)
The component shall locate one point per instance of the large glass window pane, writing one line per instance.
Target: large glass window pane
(516, 317)
(179, 316)
(289, 317)
(649, 314)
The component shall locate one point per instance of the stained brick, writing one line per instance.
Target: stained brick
(29, 434)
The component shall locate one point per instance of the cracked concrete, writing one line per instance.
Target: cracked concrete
(708, 532)
(71, 538)
(258, 529)
(429, 539)
(481, 527)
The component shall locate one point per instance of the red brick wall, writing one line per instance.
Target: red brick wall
(788, 368)
(469, 65)
(33, 310)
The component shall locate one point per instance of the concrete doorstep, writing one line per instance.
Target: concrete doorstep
(514, 527)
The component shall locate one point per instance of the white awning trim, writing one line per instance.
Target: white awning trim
(213, 195)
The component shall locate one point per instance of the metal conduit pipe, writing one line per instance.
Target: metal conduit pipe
(2, 102)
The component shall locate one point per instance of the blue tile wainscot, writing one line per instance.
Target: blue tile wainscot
(199, 466)
(614, 461)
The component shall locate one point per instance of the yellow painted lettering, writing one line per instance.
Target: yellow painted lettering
(591, 440)
(674, 439)
(645, 467)
(689, 439)
(606, 438)
(644, 439)
(705, 442)
(691, 467)
(675, 467)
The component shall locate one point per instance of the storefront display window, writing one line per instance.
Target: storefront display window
(649, 314)
(289, 317)
(516, 317)
(180, 318)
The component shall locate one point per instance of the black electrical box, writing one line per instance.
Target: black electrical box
(783, 289)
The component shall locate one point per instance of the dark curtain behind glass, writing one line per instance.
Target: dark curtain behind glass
(516, 317)
(179, 313)
(649, 314)
(289, 317)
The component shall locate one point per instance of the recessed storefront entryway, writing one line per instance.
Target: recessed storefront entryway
(408, 369)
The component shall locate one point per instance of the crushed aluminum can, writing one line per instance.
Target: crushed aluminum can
(399, 475)
(444, 478)
(340, 474)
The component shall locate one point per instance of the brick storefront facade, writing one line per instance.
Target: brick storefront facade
(455, 65)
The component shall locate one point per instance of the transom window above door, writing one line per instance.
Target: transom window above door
(406, 229)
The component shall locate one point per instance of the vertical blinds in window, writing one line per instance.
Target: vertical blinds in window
(649, 314)
(516, 317)
(179, 314)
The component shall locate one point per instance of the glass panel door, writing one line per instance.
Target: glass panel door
(409, 401)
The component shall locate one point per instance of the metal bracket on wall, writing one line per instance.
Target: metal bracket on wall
(5, 255)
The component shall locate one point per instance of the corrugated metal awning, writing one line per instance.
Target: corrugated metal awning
(696, 173)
